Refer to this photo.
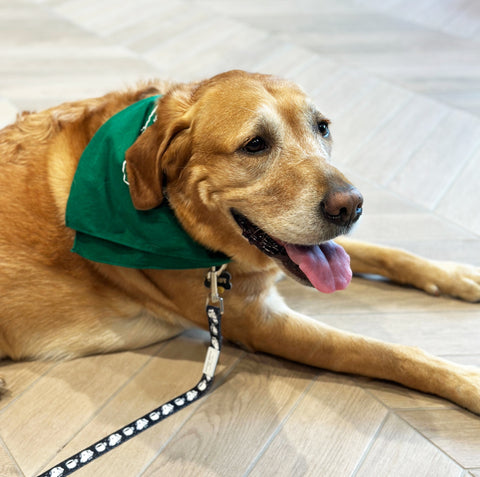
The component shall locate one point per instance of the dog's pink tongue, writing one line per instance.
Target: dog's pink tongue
(327, 265)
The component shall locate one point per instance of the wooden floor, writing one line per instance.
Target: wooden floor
(401, 81)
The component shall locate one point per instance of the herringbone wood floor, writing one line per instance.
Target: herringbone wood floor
(401, 81)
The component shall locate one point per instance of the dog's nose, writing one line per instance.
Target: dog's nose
(343, 206)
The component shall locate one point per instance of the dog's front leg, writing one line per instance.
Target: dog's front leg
(434, 277)
(273, 328)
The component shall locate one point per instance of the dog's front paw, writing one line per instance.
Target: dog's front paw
(3, 386)
(454, 279)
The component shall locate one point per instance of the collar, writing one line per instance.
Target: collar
(108, 227)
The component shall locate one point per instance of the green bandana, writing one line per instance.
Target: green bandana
(108, 227)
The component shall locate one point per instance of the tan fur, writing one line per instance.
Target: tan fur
(56, 304)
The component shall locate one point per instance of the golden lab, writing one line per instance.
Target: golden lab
(243, 161)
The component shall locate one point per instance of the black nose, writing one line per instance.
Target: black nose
(343, 206)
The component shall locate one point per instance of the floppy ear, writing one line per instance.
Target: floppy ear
(163, 142)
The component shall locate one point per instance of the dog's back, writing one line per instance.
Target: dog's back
(39, 154)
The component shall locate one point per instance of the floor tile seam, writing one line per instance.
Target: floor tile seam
(264, 448)
(395, 409)
(404, 163)
(9, 454)
(100, 409)
(139, 36)
(206, 25)
(400, 165)
(453, 178)
(460, 355)
(149, 56)
(144, 56)
(94, 26)
(440, 30)
(219, 381)
(382, 313)
(371, 443)
(55, 364)
(291, 40)
(398, 83)
(421, 208)
(267, 31)
(392, 411)
(284, 46)
(103, 40)
(428, 439)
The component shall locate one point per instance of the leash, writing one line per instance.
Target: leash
(217, 281)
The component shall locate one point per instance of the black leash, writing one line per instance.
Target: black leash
(217, 281)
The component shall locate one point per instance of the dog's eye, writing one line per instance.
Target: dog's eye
(256, 145)
(323, 128)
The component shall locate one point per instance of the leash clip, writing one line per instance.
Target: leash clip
(217, 281)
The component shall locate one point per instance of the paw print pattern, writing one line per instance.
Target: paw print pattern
(167, 409)
(86, 456)
(192, 395)
(56, 472)
(141, 424)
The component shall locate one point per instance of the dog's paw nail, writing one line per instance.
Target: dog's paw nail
(433, 290)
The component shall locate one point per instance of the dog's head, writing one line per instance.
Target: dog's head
(244, 159)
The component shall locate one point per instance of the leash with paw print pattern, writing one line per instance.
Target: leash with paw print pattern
(216, 281)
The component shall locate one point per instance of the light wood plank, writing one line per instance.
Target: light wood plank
(377, 298)
(339, 93)
(8, 467)
(447, 334)
(408, 454)
(71, 394)
(460, 202)
(55, 50)
(224, 436)
(398, 138)
(383, 226)
(166, 28)
(286, 63)
(334, 422)
(175, 370)
(457, 432)
(398, 397)
(187, 44)
(353, 127)
(462, 251)
(19, 377)
(395, 46)
(439, 160)
(8, 112)
(144, 22)
(318, 70)
(244, 48)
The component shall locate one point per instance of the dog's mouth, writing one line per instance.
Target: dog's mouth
(325, 266)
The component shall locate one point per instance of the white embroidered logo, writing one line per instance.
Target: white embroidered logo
(150, 120)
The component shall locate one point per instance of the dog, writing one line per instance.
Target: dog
(242, 160)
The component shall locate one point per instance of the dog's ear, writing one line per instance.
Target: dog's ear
(165, 141)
